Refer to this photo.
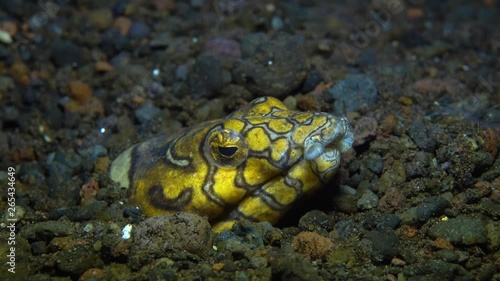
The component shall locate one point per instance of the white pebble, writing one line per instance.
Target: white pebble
(126, 231)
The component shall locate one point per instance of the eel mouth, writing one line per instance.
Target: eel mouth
(340, 138)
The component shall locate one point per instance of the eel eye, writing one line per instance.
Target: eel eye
(227, 151)
(225, 148)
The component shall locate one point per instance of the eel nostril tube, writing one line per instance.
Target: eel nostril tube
(314, 150)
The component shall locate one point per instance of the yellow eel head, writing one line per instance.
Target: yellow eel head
(252, 164)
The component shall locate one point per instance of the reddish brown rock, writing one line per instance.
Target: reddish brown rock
(80, 91)
(312, 244)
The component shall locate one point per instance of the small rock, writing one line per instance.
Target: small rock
(389, 125)
(164, 5)
(6, 83)
(66, 53)
(78, 259)
(312, 244)
(39, 247)
(375, 163)
(447, 255)
(205, 78)
(316, 219)
(91, 209)
(276, 68)
(313, 78)
(138, 30)
(390, 178)
(420, 134)
(80, 91)
(88, 192)
(364, 130)
(490, 207)
(31, 96)
(182, 72)
(214, 109)
(345, 229)
(292, 266)
(431, 207)
(131, 212)
(10, 114)
(161, 40)
(418, 165)
(393, 199)
(433, 269)
(492, 115)
(5, 37)
(31, 173)
(63, 163)
(103, 66)
(197, 3)
(250, 42)
(101, 19)
(123, 25)
(47, 230)
(351, 93)
(61, 166)
(159, 236)
(251, 234)
(388, 221)
(277, 23)
(368, 200)
(113, 42)
(91, 152)
(222, 49)
(460, 230)
(148, 111)
(345, 200)
(384, 245)
(101, 165)
(8, 26)
(20, 72)
(441, 243)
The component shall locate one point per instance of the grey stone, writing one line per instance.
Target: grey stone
(384, 245)
(351, 93)
(139, 29)
(205, 79)
(47, 230)
(276, 68)
(420, 134)
(375, 163)
(146, 112)
(66, 53)
(460, 230)
(368, 200)
(431, 207)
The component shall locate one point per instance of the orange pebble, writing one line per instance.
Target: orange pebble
(9, 27)
(409, 231)
(218, 266)
(21, 72)
(388, 124)
(123, 24)
(414, 13)
(80, 91)
(103, 66)
(489, 3)
(441, 243)
(92, 273)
